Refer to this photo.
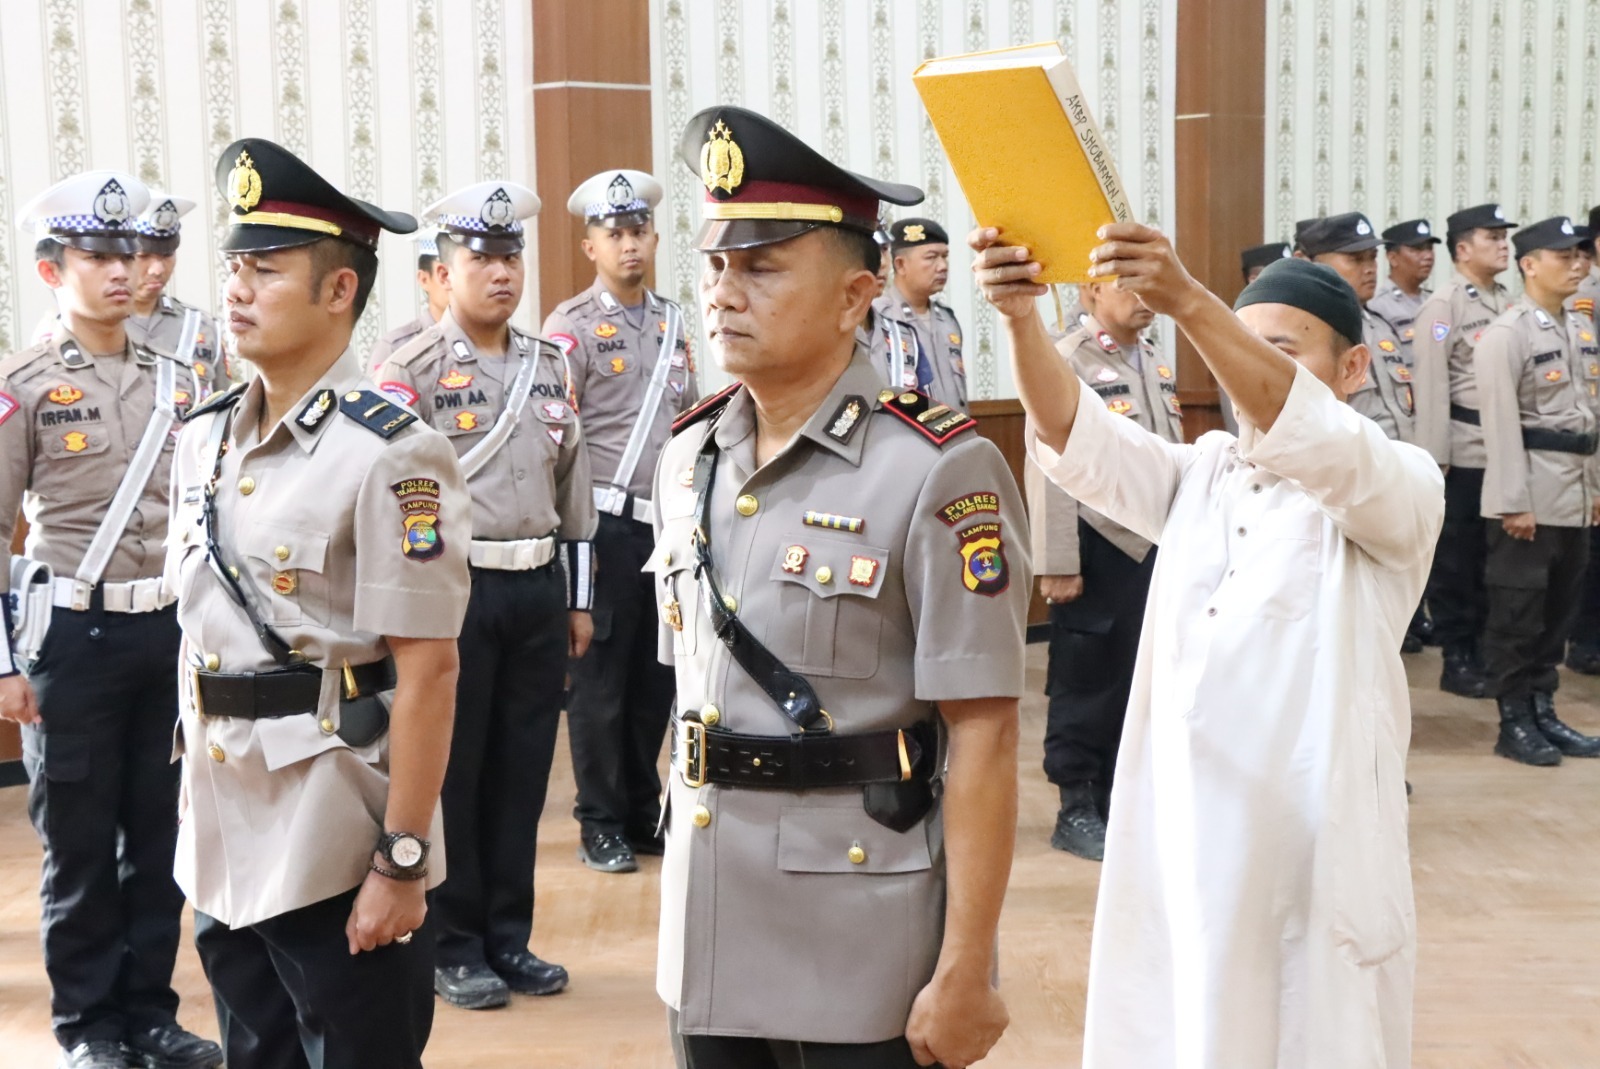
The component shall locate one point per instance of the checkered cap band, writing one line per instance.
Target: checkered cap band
(81, 223)
(603, 208)
(472, 222)
(149, 231)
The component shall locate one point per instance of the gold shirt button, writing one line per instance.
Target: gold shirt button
(282, 553)
(247, 486)
(326, 725)
(233, 571)
(746, 505)
(856, 855)
(908, 398)
(213, 662)
(731, 602)
(824, 575)
(216, 753)
(666, 558)
(702, 817)
(710, 716)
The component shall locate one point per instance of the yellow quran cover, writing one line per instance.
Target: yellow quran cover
(1028, 154)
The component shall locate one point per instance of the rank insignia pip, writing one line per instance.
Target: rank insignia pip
(863, 570)
(1584, 305)
(283, 583)
(65, 395)
(75, 441)
(466, 421)
(794, 559)
(618, 365)
(983, 560)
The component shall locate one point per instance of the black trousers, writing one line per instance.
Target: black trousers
(744, 1052)
(508, 709)
(1586, 624)
(103, 796)
(621, 695)
(1533, 593)
(290, 995)
(1094, 642)
(1456, 597)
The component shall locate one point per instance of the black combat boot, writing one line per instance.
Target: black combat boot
(1462, 674)
(1584, 659)
(1520, 739)
(1079, 827)
(1567, 739)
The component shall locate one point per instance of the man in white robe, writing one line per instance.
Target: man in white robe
(1255, 908)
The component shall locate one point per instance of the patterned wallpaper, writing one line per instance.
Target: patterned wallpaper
(838, 72)
(396, 101)
(1407, 108)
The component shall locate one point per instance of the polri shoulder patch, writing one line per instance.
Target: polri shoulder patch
(934, 421)
(710, 406)
(375, 412)
(217, 402)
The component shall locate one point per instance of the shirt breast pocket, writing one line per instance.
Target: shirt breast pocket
(1282, 567)
(829, 616)
(287, 566)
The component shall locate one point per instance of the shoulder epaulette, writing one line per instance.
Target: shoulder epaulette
(710, 406)
(936, 422)
(375, 412)
(414, 345)
(217, 402)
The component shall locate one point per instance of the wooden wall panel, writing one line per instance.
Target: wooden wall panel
(1002, 422)
(1220, 137)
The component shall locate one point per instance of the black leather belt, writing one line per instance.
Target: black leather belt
(1465, 415)
(282, 691)
(1549, 441)
(806, 761)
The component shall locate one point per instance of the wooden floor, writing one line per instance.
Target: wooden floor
(1507, 863)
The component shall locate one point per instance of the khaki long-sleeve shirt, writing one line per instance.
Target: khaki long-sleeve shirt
(1448, 325)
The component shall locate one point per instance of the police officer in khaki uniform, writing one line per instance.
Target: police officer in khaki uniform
(1583, 653)
(319, 556)
(1583, 301)
(500, 396)
(1408, 246)
(842, 576)
(156, 321)
(1541, 490)
(1447, 327)
(631, 371)
(890, 338)
(921, 251)
(86, 424)
(436, 298)
(1094, 573)
(1348, 244)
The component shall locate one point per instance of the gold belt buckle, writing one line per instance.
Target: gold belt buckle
(194, 689)
(692, 740)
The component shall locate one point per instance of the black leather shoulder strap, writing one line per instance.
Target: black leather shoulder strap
(376, 413)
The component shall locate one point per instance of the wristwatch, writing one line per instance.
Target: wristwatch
(406, 854)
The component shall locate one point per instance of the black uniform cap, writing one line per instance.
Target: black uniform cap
(1557, 232)
(1345, 232)
(1412, 232)
(909, 233)
(1478, 217)
(1263, 255)
(764, 185)
(1313, 288)
(277, 201)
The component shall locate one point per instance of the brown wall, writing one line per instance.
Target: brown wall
(1221, 130)
(580, 130)
(1002, 423)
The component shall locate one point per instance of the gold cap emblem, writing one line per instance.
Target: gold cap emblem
(244, 184)
(914, 232)
(721, 161)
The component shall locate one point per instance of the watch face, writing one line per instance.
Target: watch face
(407, 852)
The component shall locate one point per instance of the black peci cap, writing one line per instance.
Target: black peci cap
(277, 201)
(1313, 288)
(764, 185)
(1346, 232)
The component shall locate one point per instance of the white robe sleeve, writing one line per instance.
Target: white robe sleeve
(1116, 467)
(1385, 496)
